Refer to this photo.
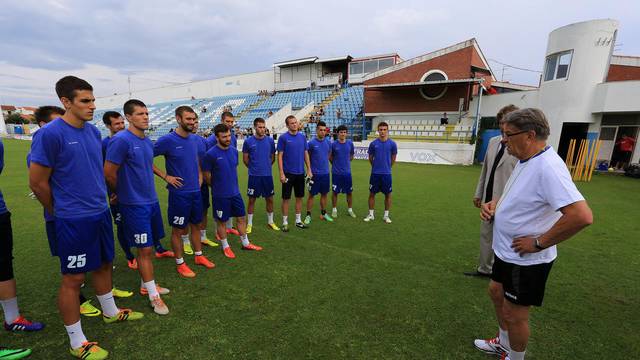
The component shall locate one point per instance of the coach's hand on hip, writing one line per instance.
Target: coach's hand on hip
(525, 245)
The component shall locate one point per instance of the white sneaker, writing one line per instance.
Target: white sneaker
(386, 219)
(334, 213)
(369, 218)
(159, 307)
(490, 346)
(352, 214)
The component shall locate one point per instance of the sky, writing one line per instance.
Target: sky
(158, 43)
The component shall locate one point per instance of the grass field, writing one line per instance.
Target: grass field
(352, 289)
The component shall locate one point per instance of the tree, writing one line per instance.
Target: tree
(16, 118)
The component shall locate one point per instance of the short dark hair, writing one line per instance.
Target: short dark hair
(342, 128)
(529, 119)
(258, 120)
(321, 123)
(106, 118)
(130, 105)
(183, 109)
(220, 128)
(286, 120)
(225, 115)
(68, 85)
(43, 113)
(504, 111)
(382, 123)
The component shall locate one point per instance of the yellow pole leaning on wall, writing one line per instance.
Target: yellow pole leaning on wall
(595, 157)
(568, 161)
(576, 168)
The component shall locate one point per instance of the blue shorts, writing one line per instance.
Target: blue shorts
(227, 207)
(380, 183)
(204, 190)
(83, 244)
(51, 236)
(115, 213)
(342, 183)
(184, 209)
(260, 186)
(321, 184)
(142, 224)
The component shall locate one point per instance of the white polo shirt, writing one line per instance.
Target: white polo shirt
(529, 205)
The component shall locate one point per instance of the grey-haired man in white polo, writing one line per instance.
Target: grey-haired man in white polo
(539, 208)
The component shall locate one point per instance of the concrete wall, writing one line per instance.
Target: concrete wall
(3, 126)
(228, 85)
(619, 96)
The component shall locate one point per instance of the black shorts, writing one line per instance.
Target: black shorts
(295, 182)
(6, 247)
(523, 285)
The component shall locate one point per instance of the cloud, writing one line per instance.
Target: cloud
(167, 39)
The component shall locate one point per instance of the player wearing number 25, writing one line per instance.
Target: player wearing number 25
(128, 170)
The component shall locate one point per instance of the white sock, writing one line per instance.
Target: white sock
(334, 210)
(225, 243)
(285, 220)
(350, 210)
(203, 234)
(107, 304)
(76, 336)
(185, 239)
(270, 218)
(229, 224)
(370, 212)
(10, 308)
(179, 261)
(516, 355)
(504, 338)
(151, 288)
(245, 240)
(250, 219)
(386, 213)
(198, 253)
(298, 218)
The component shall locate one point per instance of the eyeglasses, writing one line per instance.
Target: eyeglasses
(508, 136)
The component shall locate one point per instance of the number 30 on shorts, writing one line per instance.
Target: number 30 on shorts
(140, 238)
(76, 261)
(178, 220)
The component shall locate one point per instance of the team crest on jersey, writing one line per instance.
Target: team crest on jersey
(219, 213)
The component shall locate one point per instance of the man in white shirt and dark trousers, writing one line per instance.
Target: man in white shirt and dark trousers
(539, 208)
(496, 169)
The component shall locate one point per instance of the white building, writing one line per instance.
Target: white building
(585, 90)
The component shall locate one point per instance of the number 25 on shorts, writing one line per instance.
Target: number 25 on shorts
(76, 261)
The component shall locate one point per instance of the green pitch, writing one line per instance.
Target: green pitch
(351, 289)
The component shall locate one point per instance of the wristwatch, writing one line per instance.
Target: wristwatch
(538, 246)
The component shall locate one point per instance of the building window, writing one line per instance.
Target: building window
(433, 92)
(385, 63)
(557, 65)
(355, 68)
(370, 66)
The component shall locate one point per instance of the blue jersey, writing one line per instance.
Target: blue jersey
(260, 152)
(319, 155)
(223, 166)
(202, 148)
(341, 154)
(47, 216)
(135, 175)
(3, 206)
(382, 152)
(181, 159)
(105, 145)
(212, 141)
(75, 156)
(293, 148)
